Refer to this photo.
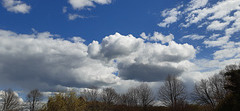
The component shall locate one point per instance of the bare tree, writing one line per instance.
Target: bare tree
(202, 94)
(122, 99)
(145, 95)
(210, 91)
(132, 96)
(217, 83)
(109, 96)
(33, 98)
(10, 101)
(172, 92)
(90, 94)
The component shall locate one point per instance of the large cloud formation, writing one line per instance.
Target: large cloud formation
(39, 61)
(140, 60)
(43, 61)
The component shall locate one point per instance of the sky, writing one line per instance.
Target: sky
(57, 45)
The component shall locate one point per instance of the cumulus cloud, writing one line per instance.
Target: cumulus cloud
(16, 6)
(160, 37)
(193, 37)
(78, 39)
(49, 64)
(80, 4)
(137, 60)
(116, 45)
(148, 72)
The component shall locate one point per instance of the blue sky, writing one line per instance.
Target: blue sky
(127, 17)
(55, 45)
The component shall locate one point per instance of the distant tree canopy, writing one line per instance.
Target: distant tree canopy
(65, 102)
(232, 101)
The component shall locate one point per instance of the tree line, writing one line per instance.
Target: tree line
(10, 101)
(220, 92)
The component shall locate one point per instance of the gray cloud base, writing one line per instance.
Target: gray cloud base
(147, 72)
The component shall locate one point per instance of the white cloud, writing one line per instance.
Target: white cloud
(216, 25)
(49, 64)
(16, 6)
(158, 37)
(214, 36)
(52, 64)
(211, 67)
(171, 17)
(137, 59)
(228, 51)
(194, 37)
(80, 4)
(223, 15)
(217, 11)
(236, 24)
(144, 36)
(94, 49)
(217, 18)
(75, 16)
(199, 26)
(195, 4)
(78, 39)
(117, 45)
(64, 10)
(103, 1)
(219, 42)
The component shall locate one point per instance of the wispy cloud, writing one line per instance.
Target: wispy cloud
(75, 16)
(171, 16)
(193, 37)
